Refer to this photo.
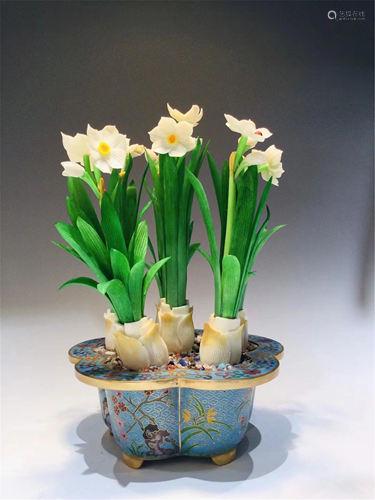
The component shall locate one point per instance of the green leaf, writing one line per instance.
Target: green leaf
(151, 273)
(120, 266)
(199, 404)
(151, 247)
(114, 179)
(247, 188)
(216, 179)
(72, 236)
(248, 260)
(128, 169)
(79, 195)
(112, 226)
(129, 215)
(207, 218)
(95, 246)
(231, 276)
(192, 249)
(224, 204)
(68, 249)
(135, 288)
(119, 298)
(223, 423)
(81, 281)
(191, 226)
(171, 216)
(189, 448)
(196, 427)
(189, 436)
(97, 174)
(143, 211)
(264, 239)
(141, 187)
(74, 211)
(140, 242)
(206, 256)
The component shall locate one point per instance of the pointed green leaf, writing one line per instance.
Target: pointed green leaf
(216, 179)
(231, 276)
(120, 266)
(224, 204)
(119, 298)
(189, 436)
(111, 226)
(140, 242)
(143, 180)
(129, 215)
(114, 179)
(74, 211)
(189, 448)
(264, 239)
(81, 281)
(207, 218)
(68, 249)
(247, 189)
(192, 249)
(196, 427)
(223, 423)
(72, 236)
(199, 404)
(95, 246)
(150, 275)
(135, 288)
(171, 216)
(79, 195)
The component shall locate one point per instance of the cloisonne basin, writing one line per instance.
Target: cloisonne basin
(156, 415)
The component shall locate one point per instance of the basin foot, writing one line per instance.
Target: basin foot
(224, 458)
(132, 462)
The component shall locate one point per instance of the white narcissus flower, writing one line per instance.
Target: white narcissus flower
(107, 148)
(254, 158)
(176, 326)
(139, 345)
(221, 341)
(193, 116)
(135, 150)
(247, 128)
(72, 169)
(76, 147)
(273, 166)
(172, 137)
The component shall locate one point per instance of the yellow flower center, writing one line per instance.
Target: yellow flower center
(172, 139)
(104, 149)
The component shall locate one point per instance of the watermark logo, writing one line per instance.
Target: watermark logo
(346, 15)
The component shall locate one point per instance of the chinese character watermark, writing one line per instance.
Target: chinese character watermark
(346, 15)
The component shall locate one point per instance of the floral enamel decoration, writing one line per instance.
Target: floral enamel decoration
(247, 128)
(193, 116)
(172, 138)
(272, 167)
